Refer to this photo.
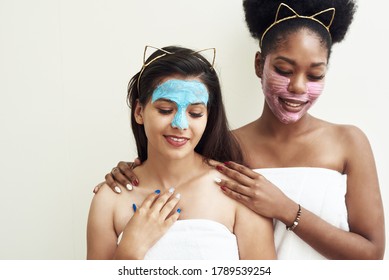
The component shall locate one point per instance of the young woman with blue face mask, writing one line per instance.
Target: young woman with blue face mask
(179, 124)
(316, 179)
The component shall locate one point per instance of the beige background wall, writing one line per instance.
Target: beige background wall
(64, 68)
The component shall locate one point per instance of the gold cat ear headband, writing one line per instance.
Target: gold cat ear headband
(166, 53)
(296, 15)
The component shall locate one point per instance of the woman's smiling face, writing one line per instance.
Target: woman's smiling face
(175, 117)
(293, 75)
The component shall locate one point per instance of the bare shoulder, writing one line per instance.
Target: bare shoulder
(104, 191)
(352, 132)
(351, 136)
(218, 196)
(205, 181)
(352, 143)
(105, 197)
(101, 209)
(101, 236)
(345, 133)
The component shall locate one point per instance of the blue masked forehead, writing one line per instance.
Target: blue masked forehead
(182, 92)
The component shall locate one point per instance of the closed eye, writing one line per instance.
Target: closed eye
(316, 78)
(196, 115)
(165, 112)
(282, 72)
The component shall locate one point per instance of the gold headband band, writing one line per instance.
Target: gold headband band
(162, 55)
(296, 15)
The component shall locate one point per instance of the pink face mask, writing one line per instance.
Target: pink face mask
(287, 107)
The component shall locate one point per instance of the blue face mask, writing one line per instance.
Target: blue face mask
(183, 93)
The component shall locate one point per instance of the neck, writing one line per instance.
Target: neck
(167, 172)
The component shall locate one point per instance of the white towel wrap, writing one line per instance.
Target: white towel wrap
(321, 191)
(195, 239)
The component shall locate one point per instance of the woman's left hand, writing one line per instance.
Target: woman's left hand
(252, 189)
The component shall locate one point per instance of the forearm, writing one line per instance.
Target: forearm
(366, 239)
(332, 242)
(130, 248)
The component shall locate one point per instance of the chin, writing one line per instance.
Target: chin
(178, 155)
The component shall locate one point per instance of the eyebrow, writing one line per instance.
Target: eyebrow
(164, 99)
(292, 62)
(171, 101)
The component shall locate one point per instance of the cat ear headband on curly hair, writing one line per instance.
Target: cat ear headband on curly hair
(295, 15)
(164, 54)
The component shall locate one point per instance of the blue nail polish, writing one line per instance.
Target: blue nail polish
(134, 207)
(157, 191)
(179, 210)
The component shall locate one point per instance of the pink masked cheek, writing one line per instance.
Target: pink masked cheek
(314, 89)
(274, 84)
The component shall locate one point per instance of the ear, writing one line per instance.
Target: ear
(258, 64)
(138, 112)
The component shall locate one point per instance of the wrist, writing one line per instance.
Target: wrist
(296, 221)
(127, 252)
(289, 213)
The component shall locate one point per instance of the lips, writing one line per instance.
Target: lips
(292, 105)
(176, 141)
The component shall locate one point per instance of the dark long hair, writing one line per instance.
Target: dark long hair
(217, 142)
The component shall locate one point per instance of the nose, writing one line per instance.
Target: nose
(297, 85)
(180, 121)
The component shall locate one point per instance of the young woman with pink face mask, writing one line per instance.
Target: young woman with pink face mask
(316, 179)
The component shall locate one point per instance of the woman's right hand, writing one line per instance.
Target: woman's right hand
(148, 224)
(121, 174)
(256, 192)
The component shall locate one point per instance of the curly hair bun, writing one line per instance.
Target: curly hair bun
(260, 14)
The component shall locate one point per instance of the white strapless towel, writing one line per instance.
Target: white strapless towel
(195, 239)
(321, 191)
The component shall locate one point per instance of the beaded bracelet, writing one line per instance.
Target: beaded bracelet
(296, 221)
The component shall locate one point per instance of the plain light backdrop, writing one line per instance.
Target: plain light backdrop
(64, 122)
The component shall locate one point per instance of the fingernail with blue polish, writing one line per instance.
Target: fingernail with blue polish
(179, 210)
(157, 191)
(134, 207)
